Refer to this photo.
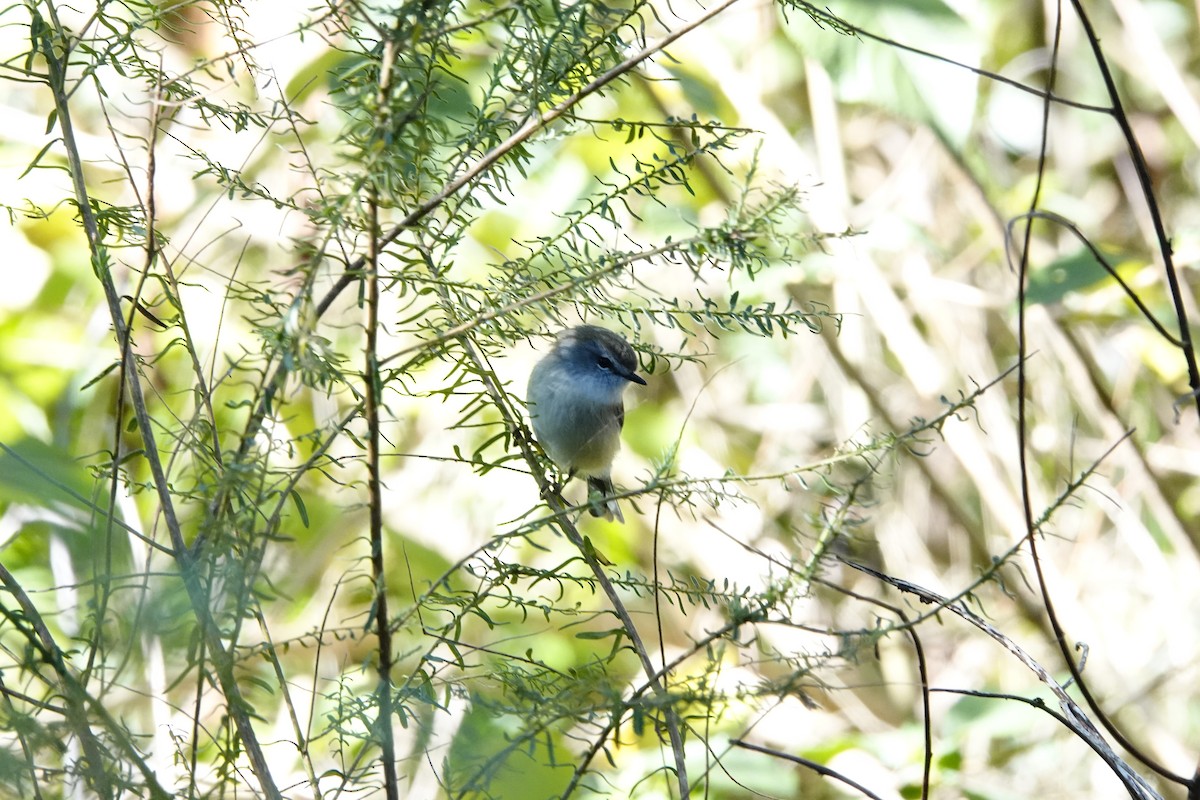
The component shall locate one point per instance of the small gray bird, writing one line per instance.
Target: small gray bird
(575, 404)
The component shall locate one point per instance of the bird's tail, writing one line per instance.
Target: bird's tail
(606, 507)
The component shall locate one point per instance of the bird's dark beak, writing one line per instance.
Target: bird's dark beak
(634, 378)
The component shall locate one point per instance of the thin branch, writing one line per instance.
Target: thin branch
(558, 506)
(237, 707)
(1074, 717)
(1045, 94)
(78, 702)
(1059, 219)
(1143, 173)
(1022, 390)
(820, 769)
(371, 391)
(519, 137)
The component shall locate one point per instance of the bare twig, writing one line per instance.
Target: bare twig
(1073, 716)
(1022, 410)
(820, 769)
(1165, 250)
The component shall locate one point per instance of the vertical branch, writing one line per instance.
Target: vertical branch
(1143, 175)
(54, 47)
(372, 388)
(1031, 527)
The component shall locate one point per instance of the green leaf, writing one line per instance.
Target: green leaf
(298, 501)
(596, 635)
(1077, 272)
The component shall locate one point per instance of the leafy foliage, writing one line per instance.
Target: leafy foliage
(286, 531)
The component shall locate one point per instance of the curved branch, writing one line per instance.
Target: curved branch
(1147, 185)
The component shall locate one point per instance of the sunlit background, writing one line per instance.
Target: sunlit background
(911, 158)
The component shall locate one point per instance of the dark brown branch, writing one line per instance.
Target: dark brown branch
(1031, 527)
(1147, 186)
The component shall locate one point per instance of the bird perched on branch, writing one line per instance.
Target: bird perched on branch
(576, 405)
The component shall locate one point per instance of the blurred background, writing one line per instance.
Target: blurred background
(846, 394)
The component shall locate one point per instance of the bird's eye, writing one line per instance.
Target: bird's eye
(603, 362)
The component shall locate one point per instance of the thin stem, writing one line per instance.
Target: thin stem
(820, 769)
(1147, 185)
(237, 706)
(78, 703)
(1022, 389)
(371, 392)
(1075, 718)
